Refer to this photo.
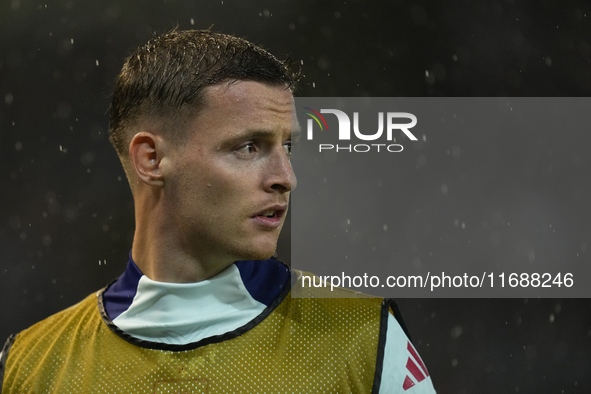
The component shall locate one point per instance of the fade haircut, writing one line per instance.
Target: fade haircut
(163, 82)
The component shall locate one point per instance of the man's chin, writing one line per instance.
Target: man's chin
(258, 247)
(260, 253)
(260, 256)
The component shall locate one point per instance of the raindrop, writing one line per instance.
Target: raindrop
(323, 63)
(87, 158)
(429, 77)
(70, 214)
(531, 255)
(96, 132)
(46, 240)
(456, 332)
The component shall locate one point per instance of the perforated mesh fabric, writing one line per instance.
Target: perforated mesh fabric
(303, 346)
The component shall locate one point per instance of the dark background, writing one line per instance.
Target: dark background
(497, 184)
(66, 222)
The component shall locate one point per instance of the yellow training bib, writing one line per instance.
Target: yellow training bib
(305, 345)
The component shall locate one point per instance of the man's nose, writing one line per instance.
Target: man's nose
(280, 173)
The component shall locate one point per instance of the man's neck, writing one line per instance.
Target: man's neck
(161, 255)
(167, 264)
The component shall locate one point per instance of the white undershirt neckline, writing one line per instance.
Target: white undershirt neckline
(181, 313)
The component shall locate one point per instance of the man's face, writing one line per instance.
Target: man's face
(230, 181)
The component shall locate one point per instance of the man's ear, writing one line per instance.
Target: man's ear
(146, 152)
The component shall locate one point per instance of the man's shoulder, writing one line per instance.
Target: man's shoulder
(75, 312)
(344, 304)
(37, 340)
(336, 306)
(61, 323)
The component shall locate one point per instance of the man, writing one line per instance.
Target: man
(203, 125)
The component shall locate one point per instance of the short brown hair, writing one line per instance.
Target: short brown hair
(165, 78)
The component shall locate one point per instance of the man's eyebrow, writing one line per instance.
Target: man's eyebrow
(257, 134)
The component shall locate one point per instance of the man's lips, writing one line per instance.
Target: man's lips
(277, 210)
(271, 216)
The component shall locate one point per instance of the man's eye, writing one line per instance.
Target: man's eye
(246, 148)
(287, 148)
